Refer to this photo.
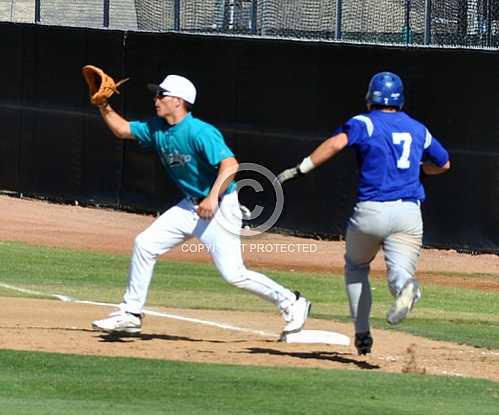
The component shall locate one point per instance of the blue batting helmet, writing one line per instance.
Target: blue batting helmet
(386, 89)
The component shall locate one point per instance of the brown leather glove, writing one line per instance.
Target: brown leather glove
(100, 85)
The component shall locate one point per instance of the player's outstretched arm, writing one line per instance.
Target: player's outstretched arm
(116, 123)
(320, 155)
(329, 148)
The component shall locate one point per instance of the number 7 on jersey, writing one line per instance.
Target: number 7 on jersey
(404, 139)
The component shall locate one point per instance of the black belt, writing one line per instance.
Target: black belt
(403, 199)
(416, 201)
(198, 200)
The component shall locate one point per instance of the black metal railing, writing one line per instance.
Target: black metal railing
(466, 23)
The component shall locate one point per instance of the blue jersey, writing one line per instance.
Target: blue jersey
(191, 151)
(390, 147)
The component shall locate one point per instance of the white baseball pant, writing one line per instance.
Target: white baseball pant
(219, 234)
(397, 227)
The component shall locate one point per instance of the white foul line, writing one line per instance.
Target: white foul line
(66, 298)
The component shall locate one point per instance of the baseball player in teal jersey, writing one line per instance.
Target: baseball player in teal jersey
(197, 159)
(391, 149)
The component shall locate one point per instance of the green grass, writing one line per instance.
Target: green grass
(45, 383)
(459, 315)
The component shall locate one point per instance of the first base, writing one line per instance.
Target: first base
(316, 336)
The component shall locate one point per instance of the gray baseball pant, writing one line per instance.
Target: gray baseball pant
(397, 227)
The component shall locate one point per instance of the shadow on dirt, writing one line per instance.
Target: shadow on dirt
(126, 338)
(331, 356)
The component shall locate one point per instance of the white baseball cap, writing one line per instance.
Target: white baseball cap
(175, 86)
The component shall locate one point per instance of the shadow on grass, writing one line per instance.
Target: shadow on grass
(331, 356)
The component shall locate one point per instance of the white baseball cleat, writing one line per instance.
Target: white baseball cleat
(406, 298)
(296, 314)
(119, 321)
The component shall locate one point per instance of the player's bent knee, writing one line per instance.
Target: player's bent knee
(142, 243)
(139, 241)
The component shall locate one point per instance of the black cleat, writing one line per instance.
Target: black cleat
(363, 342)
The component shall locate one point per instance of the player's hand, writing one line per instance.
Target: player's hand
(289, 174)
(207, 208)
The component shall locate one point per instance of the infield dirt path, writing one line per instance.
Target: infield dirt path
(51, 325)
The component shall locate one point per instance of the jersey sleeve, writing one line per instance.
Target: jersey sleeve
(143, 131)
(434, 151)
(357, 129)
(212, 146)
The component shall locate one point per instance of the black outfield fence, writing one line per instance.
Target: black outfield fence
(275, 100)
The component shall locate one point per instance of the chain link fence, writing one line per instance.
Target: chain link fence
(452, 23)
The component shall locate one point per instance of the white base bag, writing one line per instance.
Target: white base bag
(316, 336)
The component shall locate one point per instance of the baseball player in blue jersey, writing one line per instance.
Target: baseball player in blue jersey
(197, 159)
(391, 149)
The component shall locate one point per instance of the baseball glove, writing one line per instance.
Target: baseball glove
(100, 85)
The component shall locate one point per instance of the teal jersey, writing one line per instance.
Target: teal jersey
(191, 151)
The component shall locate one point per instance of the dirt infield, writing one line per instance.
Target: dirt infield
(64, 327)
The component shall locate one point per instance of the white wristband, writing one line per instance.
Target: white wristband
(306, 165)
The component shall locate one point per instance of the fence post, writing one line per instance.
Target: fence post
(176, 22)
(489, 22)
(339, 9)
(106, 14)
(37, 11)
(406, 31)
(427, 22)
(462, 25)
(254, 15)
